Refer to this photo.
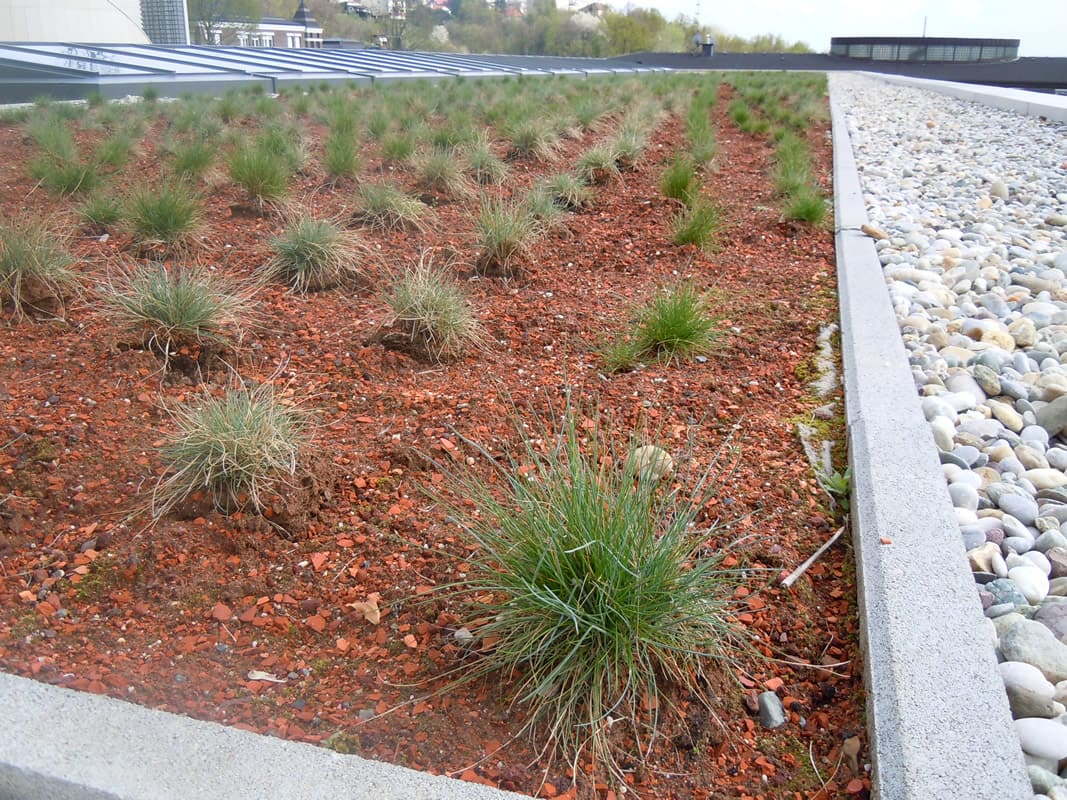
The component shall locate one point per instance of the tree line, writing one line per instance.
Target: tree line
(475, 26)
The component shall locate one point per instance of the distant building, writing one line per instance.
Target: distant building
(361, 10)
(924, 49)
(89, 21)
(300, 31)
(166, 21)
(583, 6)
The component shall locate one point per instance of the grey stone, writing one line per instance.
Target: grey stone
(1021, 675)
(1001, 489)
(997, 610)
(963, 382)
(1053, 417)
(951, 458)
(994, 358)
(1056, 457)
(1031, 457)
(968, 454)
(1054, 617)
(1055, 493)
(1022, 508)
(1043, 479)
(1050, 508)
(771, 711)
(1017, 390)
(1034, 433)
(1032, 582)
(1005, 591)
(1042, 780)
(1044, 739)
(1012, 464)
(944, 432)
(1035, 644)
(1038, 559)
(1057, 557)
(1046, 524)
(937, 406)
(1027, 703)
(987, 379)
(964, 496)
(1012, 527)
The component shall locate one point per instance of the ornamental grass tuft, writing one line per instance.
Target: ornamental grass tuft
(599, 597)
(433, 313)
(482, 163)
(679, 180)
(441, 172)
(258, 169)
(698, 224)
(190, 159)
(238, 449)
(675, 324)
(598, 165)
(35, 269)
(505, 230)
(179, 311)
(165, 214)
(568, 191)
(99, 211)
(386, 207)
(313, 254)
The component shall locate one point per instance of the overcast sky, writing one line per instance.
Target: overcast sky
(1041, 25)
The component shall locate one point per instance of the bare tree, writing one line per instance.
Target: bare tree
(207, 18)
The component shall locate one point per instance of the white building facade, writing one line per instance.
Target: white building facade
(95, 21)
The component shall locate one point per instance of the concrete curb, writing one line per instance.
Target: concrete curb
(1032, 104)
(937, 713)
(64, 745)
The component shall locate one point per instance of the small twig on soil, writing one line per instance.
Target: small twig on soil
(825, 784)
(10, 442)
(815, 768)
(795, 574)
(344, 569)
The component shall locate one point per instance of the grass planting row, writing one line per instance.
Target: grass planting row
(785, 108)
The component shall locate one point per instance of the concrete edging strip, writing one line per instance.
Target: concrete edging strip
(59, 744)
(937, 713)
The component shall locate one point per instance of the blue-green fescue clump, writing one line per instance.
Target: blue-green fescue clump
(699, 224)
(237, 449)
(433, 313)
(35, 269)
(675, 324)
(165, 214)
(174, 309)
(313, 254)
(599, 595)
